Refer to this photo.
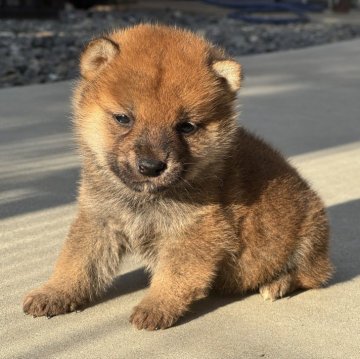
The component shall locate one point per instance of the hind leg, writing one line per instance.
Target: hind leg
(314, 275)
(280, 287)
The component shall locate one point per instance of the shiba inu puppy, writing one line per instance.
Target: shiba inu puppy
(168, 174)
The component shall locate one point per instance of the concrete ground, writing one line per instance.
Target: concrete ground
(307, 103)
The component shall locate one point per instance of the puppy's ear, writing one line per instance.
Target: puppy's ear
(231, 71)
(97, 54)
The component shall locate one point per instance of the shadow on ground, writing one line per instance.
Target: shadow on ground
(345, 241)
(125, 284)
(48, 190)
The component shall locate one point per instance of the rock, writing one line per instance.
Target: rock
(37, 51)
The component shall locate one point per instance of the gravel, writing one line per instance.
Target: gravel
(39, 51)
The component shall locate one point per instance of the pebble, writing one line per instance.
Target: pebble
(38, 51)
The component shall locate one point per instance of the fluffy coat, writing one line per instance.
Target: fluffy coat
(228, 212)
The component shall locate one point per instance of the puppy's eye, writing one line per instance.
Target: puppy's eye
(186, 128)
(122, 119)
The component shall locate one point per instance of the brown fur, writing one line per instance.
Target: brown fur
(228, 213)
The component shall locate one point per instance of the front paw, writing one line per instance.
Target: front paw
(49, 302)
(153, 316)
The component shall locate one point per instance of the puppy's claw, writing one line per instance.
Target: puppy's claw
(48, 302)
(152, 318)
(277, 289)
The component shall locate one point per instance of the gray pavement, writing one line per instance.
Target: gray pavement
(307, 103)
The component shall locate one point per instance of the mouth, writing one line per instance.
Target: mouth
(148, 187)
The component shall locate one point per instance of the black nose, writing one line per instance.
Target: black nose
(151, 168)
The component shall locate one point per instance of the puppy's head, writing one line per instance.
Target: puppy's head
(155, 105)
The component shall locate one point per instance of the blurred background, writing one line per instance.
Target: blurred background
(40, 40)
